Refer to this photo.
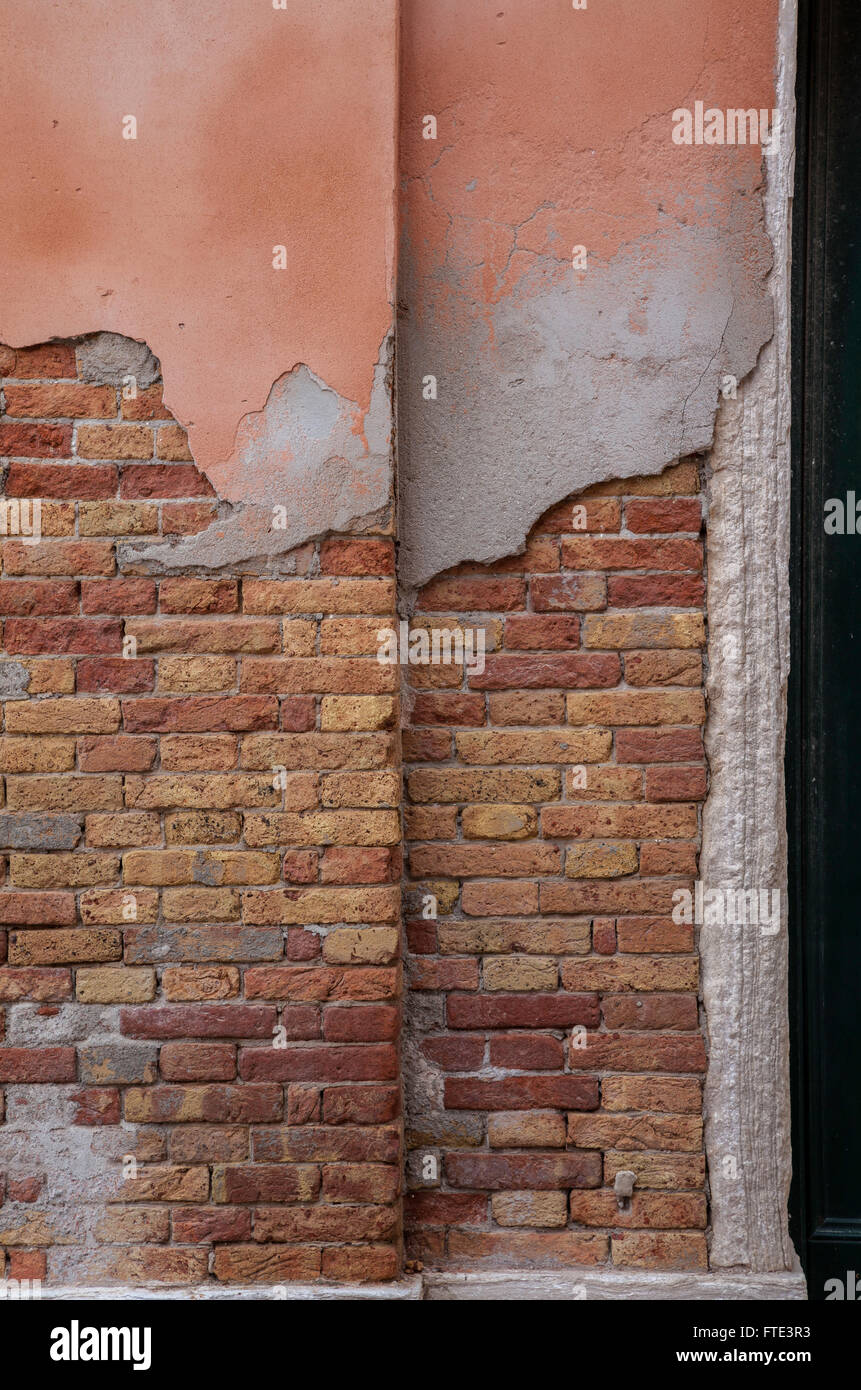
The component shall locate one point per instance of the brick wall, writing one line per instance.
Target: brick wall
(200, 863)
(552, 810)
(199, 873)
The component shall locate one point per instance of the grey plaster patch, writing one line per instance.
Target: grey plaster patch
(110, 358)
(163, 945)
(306, 464)
(28, 1025)
(14, 681)
(744, 973)
(562, 384)
(118, 1064)
(37, 831)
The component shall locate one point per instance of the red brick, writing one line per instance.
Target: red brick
(115, 675)
(448, 707)
(339, 555)
(573, 671)
(27, 1265)
(120, 596)
(201, 714)
(116, 754)
(48, 360)
(656, 590)
(345, 864)
(522, 1093)
(527, 1052)
(584, 593)
(360, 1023)
(650, 514)
(55, 636)
(84, 482)
(163, 480)
(658, 745)
(522, 1010)
(676, 783)
(197, 1062)
(201, 1225)
(29, 1065)
(458, 1053)
(199, 1021)
(530, 1172)
(479, 595)
(363, 1105)
(528, 632)
(372, 1062)
(22, 598)
(35, 441)
(189, 595)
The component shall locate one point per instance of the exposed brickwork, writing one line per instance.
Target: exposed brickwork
(199, 874)
(200, 857)
(552, 810)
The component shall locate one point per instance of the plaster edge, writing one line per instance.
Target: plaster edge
(744, 972)
(495, 1286)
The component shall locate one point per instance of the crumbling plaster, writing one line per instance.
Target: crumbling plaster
(257, 128)
(554, 131)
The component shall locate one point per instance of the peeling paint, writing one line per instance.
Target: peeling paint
(555, 132)
(312, 462)
(256, 128)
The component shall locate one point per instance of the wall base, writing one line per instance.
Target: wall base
(516, 1285)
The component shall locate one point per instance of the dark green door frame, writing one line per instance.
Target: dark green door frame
(824, 792)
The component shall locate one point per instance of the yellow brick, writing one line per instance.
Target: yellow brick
(114, 442)
(530, 1208)
(119, 906)
(536, 745)
(300, 638)
(58, 870)
(349, 636)
(323, 828)
(531, 1129)
(53, 675)
(64, 793)
(319, 595)
(99, 716)
(37, 754)
(194, 982)
(636, 708)
(117, 518)
(181, 674)
(158, 866)
(202, 827)
(374, 903)
(520, 973)
(364, 945)
(198, 904)
(622, 631)
(198, 752)
(172, 444)
(217, 792)
(113, 832)
(348, 712)
(114, 985)
(601, 859)
(361, 789)
(498, 822)
(64, 947)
